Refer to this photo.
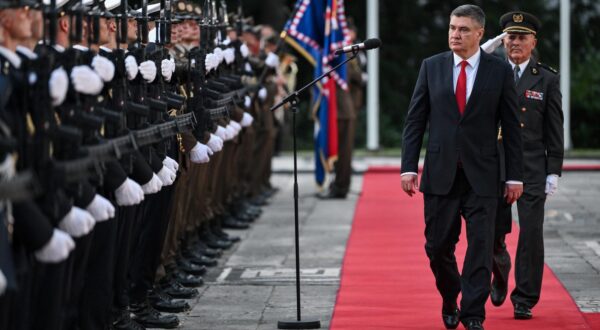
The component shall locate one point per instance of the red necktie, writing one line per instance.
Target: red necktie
(461, 87)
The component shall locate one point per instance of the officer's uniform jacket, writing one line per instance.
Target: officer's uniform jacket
(541, 117)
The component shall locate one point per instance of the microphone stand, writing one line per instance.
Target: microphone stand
(293, 99)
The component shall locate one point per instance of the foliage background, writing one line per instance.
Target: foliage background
(412, 30)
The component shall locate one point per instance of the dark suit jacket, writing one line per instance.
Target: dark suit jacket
(472, 137)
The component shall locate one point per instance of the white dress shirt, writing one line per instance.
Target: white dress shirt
(522, 66)
(471, 71)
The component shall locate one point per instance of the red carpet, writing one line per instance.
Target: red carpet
(593, 319)
(386, 281)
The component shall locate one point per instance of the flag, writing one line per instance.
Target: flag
(317, 29)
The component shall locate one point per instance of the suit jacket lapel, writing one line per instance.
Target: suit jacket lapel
(448, 83)
(481, 79)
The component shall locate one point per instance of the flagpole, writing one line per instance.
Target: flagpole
(293, 100)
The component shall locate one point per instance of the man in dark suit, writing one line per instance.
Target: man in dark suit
(463, 95)
(541, 120)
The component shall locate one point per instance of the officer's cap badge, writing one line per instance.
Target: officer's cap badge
(518, 18)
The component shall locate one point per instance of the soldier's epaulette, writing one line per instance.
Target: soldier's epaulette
(547, 67)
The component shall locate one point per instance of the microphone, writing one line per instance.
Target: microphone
(366, 45)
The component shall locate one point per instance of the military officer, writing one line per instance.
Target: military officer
(541, 117)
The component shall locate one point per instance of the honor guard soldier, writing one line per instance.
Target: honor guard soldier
(541, 120)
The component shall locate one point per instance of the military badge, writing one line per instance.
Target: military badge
(518, 18)
(539, 96)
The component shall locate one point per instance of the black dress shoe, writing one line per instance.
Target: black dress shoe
(474, 325)
(259, 200)
(124, 322)
(219, 233)
(201, 247)
(203, 261)
(149, 317)
(522, 312)
(245, 217)
(188, 280)
(175, 290)
(451, 318)
(214, 242)
(164, 303)
(331, 195)
(199, 259)
(498, 292)
(188, 267)
(232, 223)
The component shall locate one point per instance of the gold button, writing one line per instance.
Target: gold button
(522, 125)
(523, 109)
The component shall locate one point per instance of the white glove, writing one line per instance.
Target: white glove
(247, 120)
(219, 54)
(166, 176)
(129, 193)
(221, 133)
(244, 50)
(226, 42)
(230, 132)
(210, 62)
(236, 126)
(248, 67)
(247, 101)
(171, 164)
(166, 69)
(551, 184)
(153, 186)
(131, 67)
(78, 222)
(148, 70)
(491, 45)
(272, 60)
(200, 153)
(57, 249)
(101, 209)
(262, 94)
(2, 282)
(85, 80)
(229, 55)
(8, 167)
(215, 143)
(103, 67)
(58, 84)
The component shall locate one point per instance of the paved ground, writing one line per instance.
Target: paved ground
(253, 286)
(572, 237)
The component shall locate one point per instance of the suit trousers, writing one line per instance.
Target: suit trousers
(501, 261)
(529, 261)
(442, 231)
